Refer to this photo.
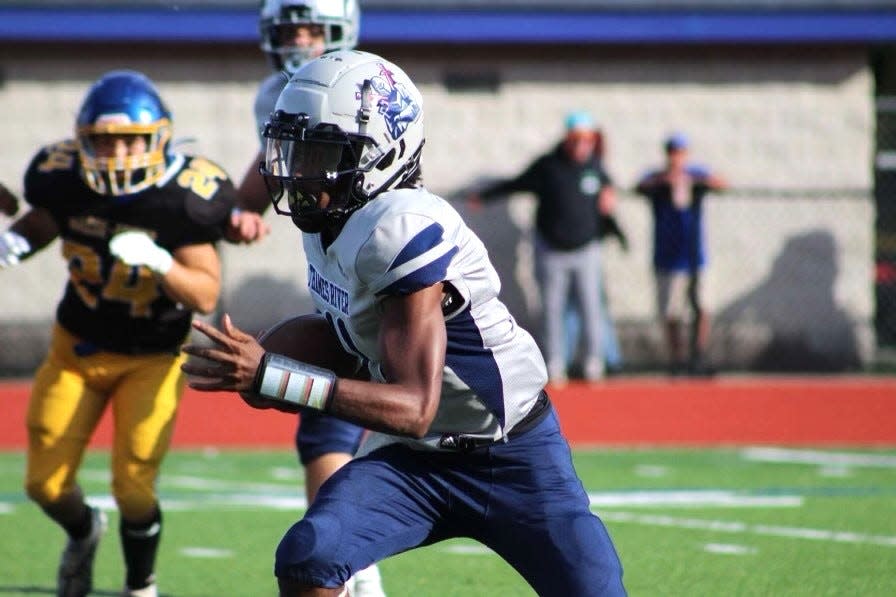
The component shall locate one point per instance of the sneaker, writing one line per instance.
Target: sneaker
(594, 369)
(367, 583)
(75, 578)
(148, 591)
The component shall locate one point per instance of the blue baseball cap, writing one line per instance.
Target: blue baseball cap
(676, 141)
(579, 119)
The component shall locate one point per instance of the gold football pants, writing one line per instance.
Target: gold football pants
(67, 401)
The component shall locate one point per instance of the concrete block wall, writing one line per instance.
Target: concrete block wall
(790, 273)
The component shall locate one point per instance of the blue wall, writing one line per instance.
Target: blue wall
(446, 26)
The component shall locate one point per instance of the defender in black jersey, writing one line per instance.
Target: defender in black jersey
(137, 225)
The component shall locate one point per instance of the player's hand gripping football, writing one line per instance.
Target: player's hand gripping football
(234, 358)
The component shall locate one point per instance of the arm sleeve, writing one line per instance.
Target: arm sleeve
(405, 255)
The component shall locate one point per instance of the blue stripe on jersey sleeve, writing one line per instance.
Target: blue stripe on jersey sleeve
(424, 277)
(473, 363)
(425, 240)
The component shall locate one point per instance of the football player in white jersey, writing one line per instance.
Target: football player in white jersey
(466, 443)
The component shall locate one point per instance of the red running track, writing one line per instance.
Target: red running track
(622, 412)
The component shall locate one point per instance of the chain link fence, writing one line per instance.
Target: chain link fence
(885, 224)
(788, 281)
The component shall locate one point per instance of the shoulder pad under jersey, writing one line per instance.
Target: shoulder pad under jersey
(210, 195)
(52, 166)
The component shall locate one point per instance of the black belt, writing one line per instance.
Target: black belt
(465, 443)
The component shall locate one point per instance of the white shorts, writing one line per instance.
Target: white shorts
(677, 289)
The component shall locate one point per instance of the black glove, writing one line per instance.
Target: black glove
(608, 226)
(9, 204)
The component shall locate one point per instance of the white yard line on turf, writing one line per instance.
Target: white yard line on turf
(731, 526)
(819, 457)
(693, 499)
(729, 549)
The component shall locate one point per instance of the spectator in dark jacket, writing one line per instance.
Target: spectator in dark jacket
(571, 188)
(608, 228)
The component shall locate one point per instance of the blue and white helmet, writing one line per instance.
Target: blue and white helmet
(123, 102)
(338, 19)
(347, 127)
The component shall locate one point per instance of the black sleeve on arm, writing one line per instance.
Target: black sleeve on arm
(213, 214)
(609, 227)
(526, 181)
(649, 183)
(38, 186)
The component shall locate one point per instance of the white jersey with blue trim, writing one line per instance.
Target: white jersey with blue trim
(266, 100)
(407, 240)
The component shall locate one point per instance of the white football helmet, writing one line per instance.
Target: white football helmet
(347, 127)
(339, 21)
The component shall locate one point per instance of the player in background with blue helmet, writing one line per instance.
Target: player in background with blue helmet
(137, 224)
(292, 32)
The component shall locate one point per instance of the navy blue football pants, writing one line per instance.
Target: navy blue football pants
(521, 498)
(320, 434)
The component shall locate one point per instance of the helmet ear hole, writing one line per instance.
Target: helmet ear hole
(386, 160)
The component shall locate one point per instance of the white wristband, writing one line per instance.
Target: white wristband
(282, 378)
(161, 263)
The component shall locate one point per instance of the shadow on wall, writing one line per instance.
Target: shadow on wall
(791, 322)
(263, 300)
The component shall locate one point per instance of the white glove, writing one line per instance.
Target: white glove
(136, 248)
(12, 246)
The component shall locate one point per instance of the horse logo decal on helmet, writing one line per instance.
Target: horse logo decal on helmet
(392, 101)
